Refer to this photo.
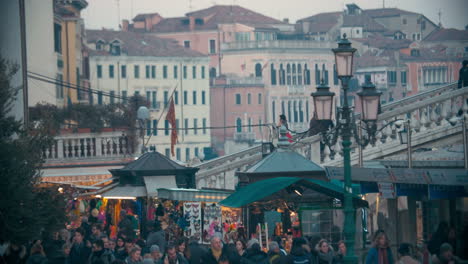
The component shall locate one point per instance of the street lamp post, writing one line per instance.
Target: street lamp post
(405, 138)
(346, 128)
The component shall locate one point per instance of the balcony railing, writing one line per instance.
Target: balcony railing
(244, 136)
(296, 89)
(277, 44)
(78, 146)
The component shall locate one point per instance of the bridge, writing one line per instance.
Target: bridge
(427, 111)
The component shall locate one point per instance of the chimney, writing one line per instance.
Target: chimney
(286, 20)
(125, 23)
(191, 23)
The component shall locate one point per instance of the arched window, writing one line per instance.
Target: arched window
(273, 110)
(299, 74)
(239, 125)
(306, 75)
(249, 98)
(335, 75)
(301, 113)
(307, 110)
(258, 70)
(317, 74)
(100, 45)
(295, 112)
(288, 72)
(273, 74)
(289, 111)
(213, 72)
(115, 48)
(325, 74)
(294, 77)
(250, 124)
(282, 108)
(282, 75)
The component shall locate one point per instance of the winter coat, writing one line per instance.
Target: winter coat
(180, 259)
(102, 257)
(208, 257)
(463, 77)
(255, 257)
(196, 253)
(79, 253)
(373, 256)
(37, 259)
(157, 238)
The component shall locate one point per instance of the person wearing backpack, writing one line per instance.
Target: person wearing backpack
(300, 252)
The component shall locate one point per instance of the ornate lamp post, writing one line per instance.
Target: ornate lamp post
(346, 128)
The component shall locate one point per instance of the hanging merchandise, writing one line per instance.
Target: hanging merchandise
(211, 221)
(192, 211)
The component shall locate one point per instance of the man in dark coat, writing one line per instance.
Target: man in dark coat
(463, 75)
(172, 256)
(100, 255)
(254, 254)
(157, 237)
(80, 251)
(196, 252)
(216, 252)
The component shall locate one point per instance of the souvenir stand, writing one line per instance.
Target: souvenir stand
(134, 191)
(283, 192)
(201, 216)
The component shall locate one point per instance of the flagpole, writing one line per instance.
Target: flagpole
(182, 98)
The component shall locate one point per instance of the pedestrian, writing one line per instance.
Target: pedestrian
(196, 251)
(404, 252)
(239, 251)
(446, 256)
(15, 253)
(96, 233)
(438, 238)
(254, 254)
(274, 253)
(37, 255)
(171, 256)
(284, 122)
(53, 248)
(380, 253)
(155, 253)
(300, 252)
(156, 236)
(341, 253)
(182, 247)
(100, 255)
(215, 252)
(452, 239)
(80, 250)
(134, 256)
(325, 253)
(463, 75)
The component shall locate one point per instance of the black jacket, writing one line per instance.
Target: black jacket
(79, 253)
(255, 257)
(463, 77)
(102, 257)
(196, 253)
(208, 257)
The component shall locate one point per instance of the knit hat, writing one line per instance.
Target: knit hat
(154, 248)
(445, 247)
(251, 242)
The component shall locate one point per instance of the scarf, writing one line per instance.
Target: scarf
(216, 253)
(326, 257)
(383, 256)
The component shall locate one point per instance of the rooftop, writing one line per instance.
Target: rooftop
(139, 44)
(444, 34)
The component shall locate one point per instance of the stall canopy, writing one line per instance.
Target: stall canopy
(193, 195)
(263, 190)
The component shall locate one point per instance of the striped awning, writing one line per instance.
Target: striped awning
(193, 195)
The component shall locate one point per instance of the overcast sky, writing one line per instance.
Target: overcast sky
(105, 13)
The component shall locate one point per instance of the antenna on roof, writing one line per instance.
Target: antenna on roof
(440, 17)
(190, 6)
(118, 13)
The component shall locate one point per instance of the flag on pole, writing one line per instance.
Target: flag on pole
(264, 66)
(170, 116)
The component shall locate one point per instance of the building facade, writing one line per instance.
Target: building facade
(123, 64)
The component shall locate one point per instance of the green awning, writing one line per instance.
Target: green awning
(262, 189)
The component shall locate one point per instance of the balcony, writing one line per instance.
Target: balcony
(72, 147)
(277, 44)
(296, 89)
(155, 107)
(235, 80)
(244, 136)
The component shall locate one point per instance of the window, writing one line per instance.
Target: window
(111, 71)
(136, 71)
(148, 127)
(403, 77)
(423, 25)
(301, 113)
(166, 98)
(136, 93)
(165, 71)
(99, 98)
(185, 72)
(295, 112)
(249, 123)
(194, 72)
(391, 75)
(238, 99)
(294, 77)
(153, 100)
(115, 48)
(299, 74)
(273, 110)
(289, 111)
(178, 153)
(112, 97)
(335, 75)
(242, 36)
(288, 72)
(317, 75)
(259, 98)
(404, 21)
(58, 38)
(239, 125)
(155, 127)
(204, 125)
(325, 74)
(123, 71)
(124, 96)
(249, 99)
(194, 95)
(273, 74)
(203, 72)
(307, 110)
(186, 126)
(185, 97)
(59, 87)
(153, 72)
(167, 152)
(282, 108)
(195, 150)
(195, 126)
(357, 31)
(306, 75)
(282, 80)
(212, 72)
(187, 154)
(203, 97)
(175, 71)
(166, 127)
(212, 46)
(258, 70)
(176, 97)
(147, 71)
(99, 71)
(187, 43)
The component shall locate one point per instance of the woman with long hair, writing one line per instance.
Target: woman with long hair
(325, 253)
(380, 253)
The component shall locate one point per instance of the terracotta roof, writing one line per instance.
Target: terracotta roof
(362, 20)
(322, 22)
(386, 12)
(436, 53)
(141, 17)
(139, 44)
(381, 42)
(210, 18)
(447, 34)
(375, 59)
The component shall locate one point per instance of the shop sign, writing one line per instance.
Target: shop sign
(446, 192)
(387, 190)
